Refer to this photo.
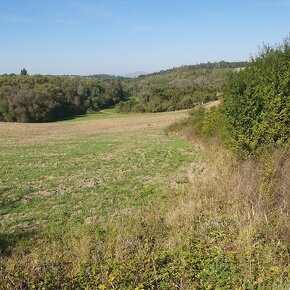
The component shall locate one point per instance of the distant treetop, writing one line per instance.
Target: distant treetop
(23, 72)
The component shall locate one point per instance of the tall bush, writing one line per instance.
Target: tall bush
(257, 101)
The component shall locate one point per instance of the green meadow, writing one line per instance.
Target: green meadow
(85, 172)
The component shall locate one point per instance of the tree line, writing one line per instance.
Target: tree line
(40, 98)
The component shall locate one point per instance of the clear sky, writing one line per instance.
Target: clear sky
(121, 36)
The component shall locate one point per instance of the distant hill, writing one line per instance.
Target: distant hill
(177, 88)
(135, 74)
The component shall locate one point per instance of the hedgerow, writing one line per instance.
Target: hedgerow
(257, 101)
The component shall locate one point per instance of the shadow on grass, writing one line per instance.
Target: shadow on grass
(101, 113)
(8, 241)
(68, 118)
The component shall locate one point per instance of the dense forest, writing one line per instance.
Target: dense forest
(37, 98)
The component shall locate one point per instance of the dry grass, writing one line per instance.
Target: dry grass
(31, 133)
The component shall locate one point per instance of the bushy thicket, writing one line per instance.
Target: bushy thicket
(46, 98)
(178, 88)
(257, 101)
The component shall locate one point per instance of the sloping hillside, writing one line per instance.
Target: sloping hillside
(177, 88)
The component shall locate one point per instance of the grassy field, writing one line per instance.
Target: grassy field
(62, 176)
(110, 201)
(67, 173)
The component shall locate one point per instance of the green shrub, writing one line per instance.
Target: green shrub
(257, 101)
(126, 107)
(197, 118)
(214, 123)
(138, 108)
(5, 115)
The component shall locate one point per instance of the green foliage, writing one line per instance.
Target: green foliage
(196, 120)
(178, 88)
(257, 101)
(23, 72)
(216, 125)
(126, 107)
(4, 111)
(47, 98)
(42, 98)
(255, 113)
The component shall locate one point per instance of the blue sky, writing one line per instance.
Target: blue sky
(120, 36)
